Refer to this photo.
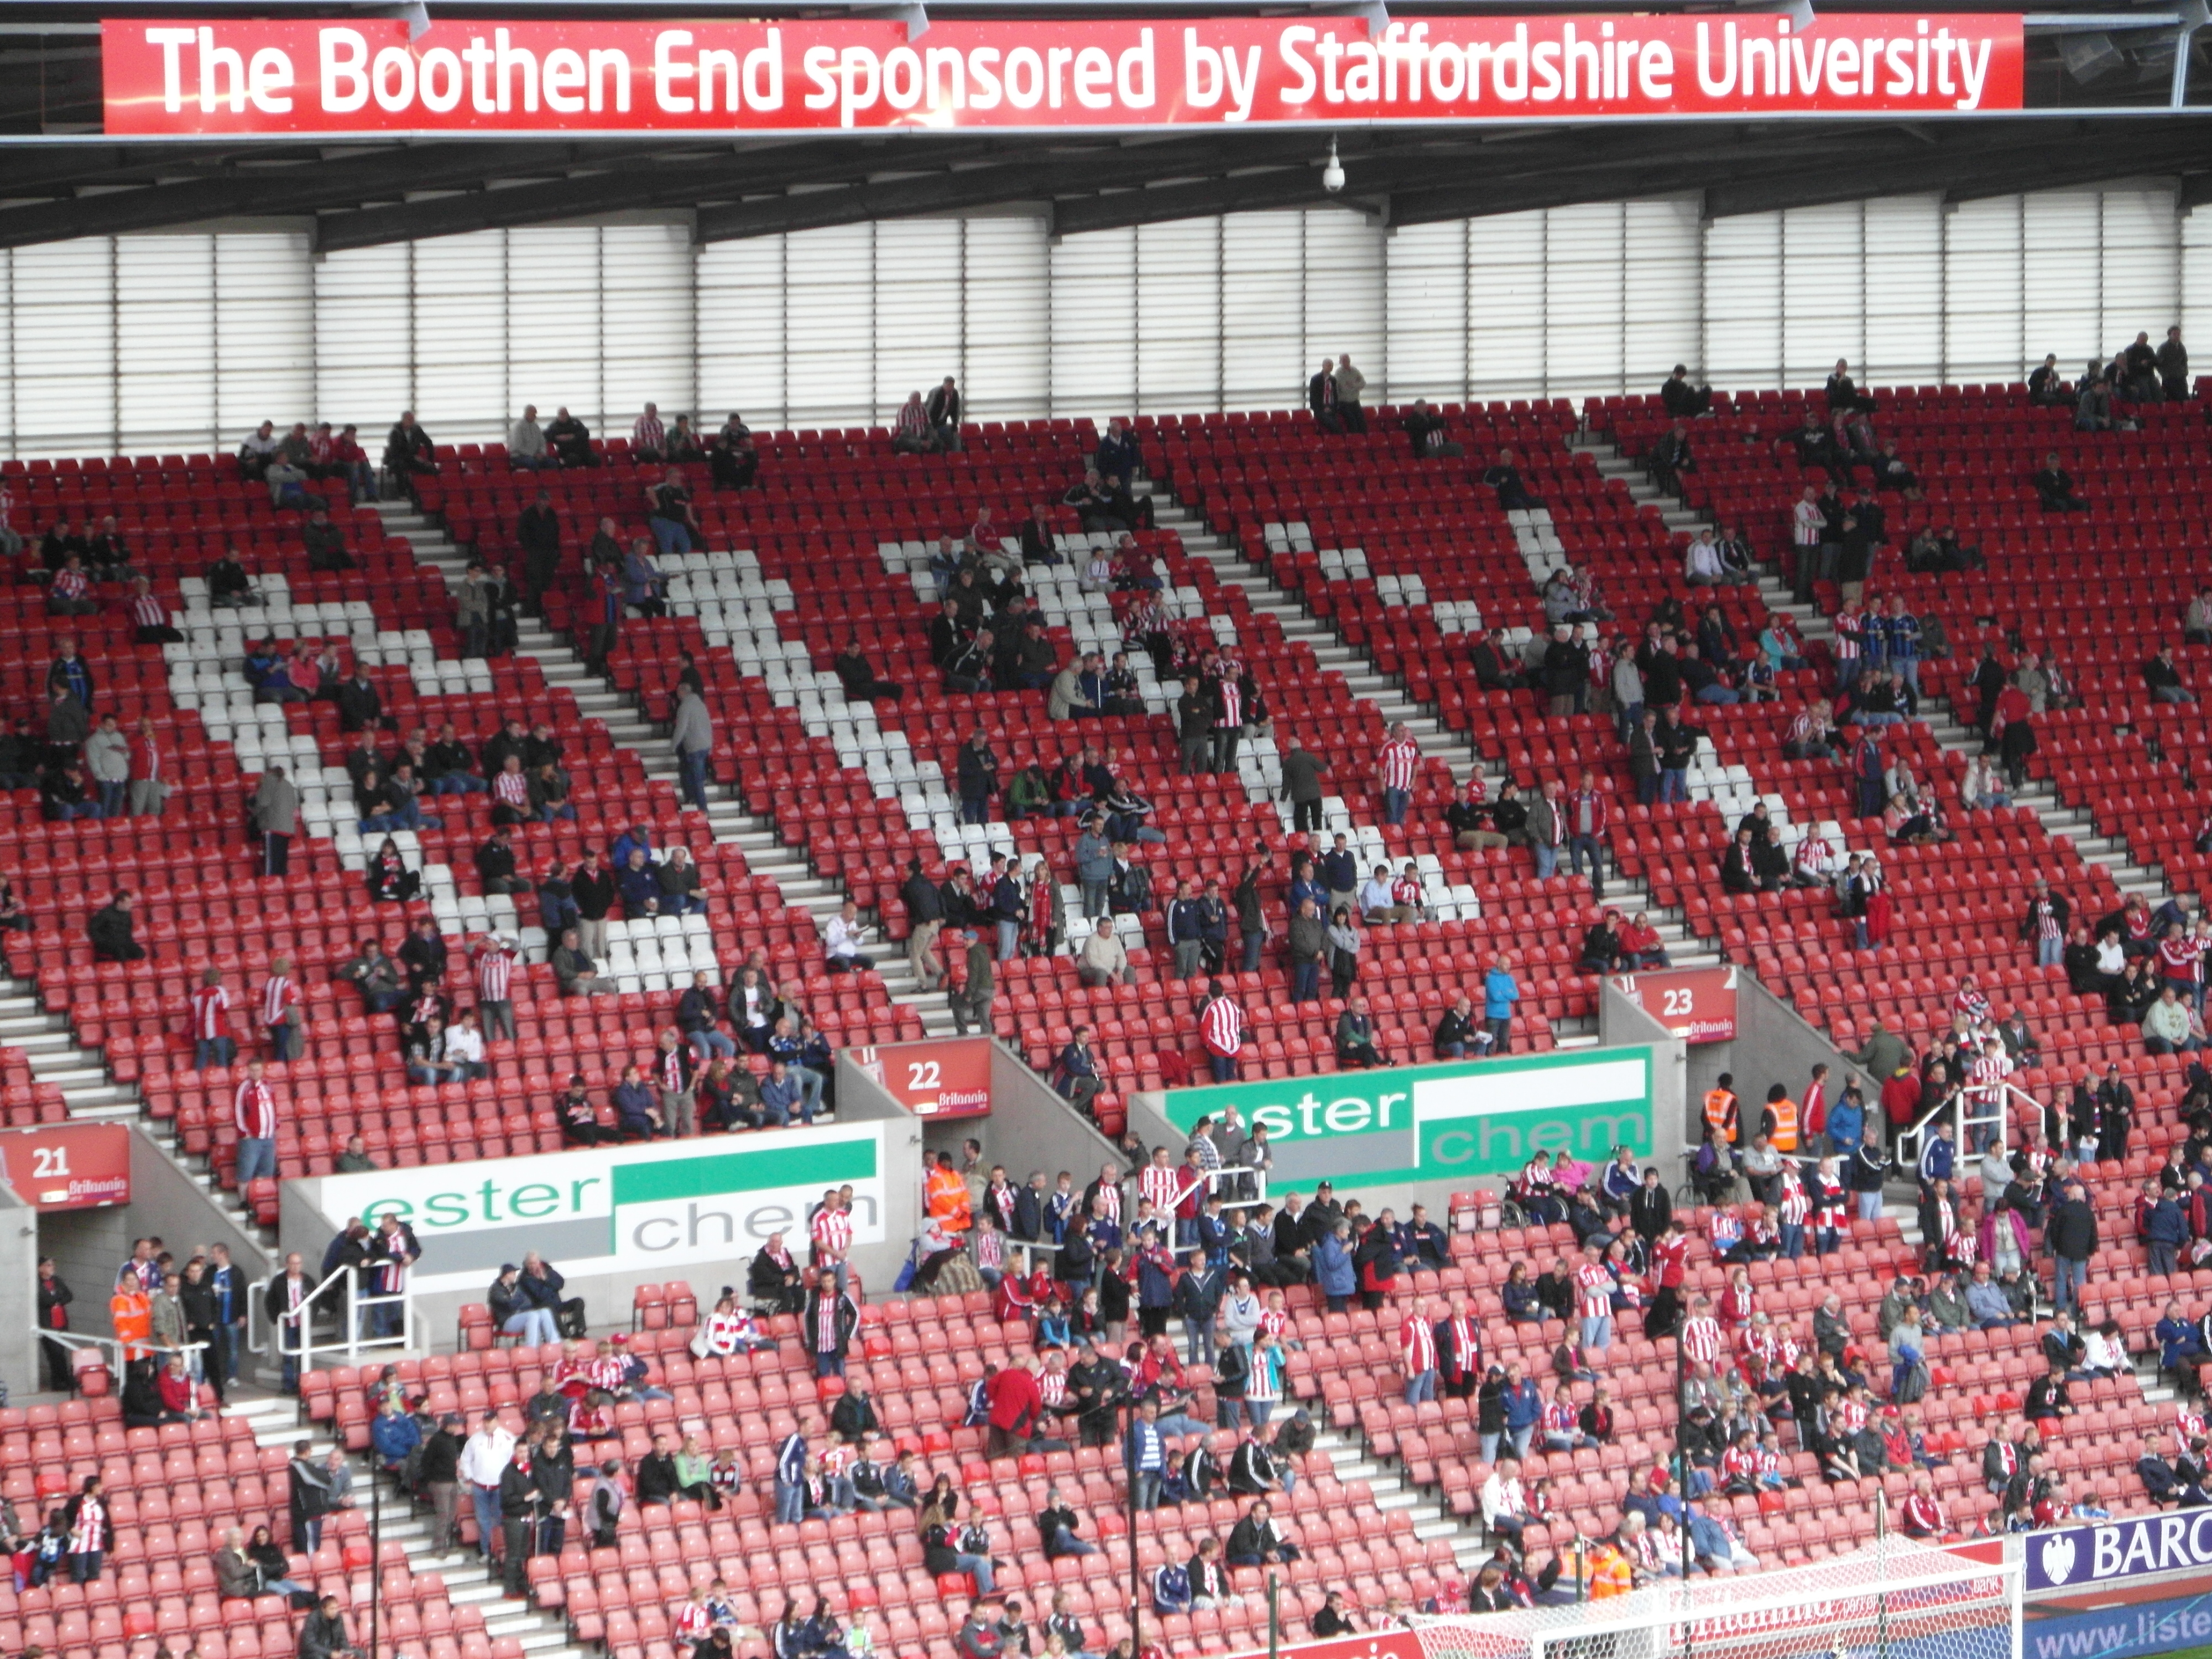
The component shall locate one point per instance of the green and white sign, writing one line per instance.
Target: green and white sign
(619, 1208)
(1451, 1121)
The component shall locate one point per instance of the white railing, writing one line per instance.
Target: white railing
(1971, 1108)
(340, 1300)
(1231, 1177)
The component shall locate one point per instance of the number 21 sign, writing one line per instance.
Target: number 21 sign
(1696, 1004)
(68, 1166)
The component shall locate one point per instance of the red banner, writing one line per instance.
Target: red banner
(68, 1166)
(1696, 1004)
(948, 1077)
(1383, 1644)
(364, 76)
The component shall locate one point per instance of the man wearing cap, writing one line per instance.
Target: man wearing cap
(515, 1315)
(484, 1458)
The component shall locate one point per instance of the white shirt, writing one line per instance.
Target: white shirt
(2102, 1353)
(486, 1455)
(1500, 1497)
(465, 1043)
(1704, 559)
(843, 936)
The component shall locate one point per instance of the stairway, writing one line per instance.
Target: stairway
(1364, 680)
(727, 820)
(1950, 733)
(276, 1421)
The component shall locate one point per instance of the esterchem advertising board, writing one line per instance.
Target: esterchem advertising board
(614, 1209)
(1444, 1123)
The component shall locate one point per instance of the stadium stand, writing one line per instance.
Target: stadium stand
(1313, 568)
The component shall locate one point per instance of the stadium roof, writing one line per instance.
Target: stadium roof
(2103, 101)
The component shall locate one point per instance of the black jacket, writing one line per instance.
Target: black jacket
(323, 1637)
(2071, 1231)
(1649, 1210)
(656, 1478)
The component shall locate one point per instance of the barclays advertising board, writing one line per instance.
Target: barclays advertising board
(2115, 1551)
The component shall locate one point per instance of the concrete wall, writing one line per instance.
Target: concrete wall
(168, 1203)
(18, 1305)
(1622, 1019)
(1773, 1043)
(1029, 1127)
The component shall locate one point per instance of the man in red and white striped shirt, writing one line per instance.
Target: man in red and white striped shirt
(253, 1112)
(1594, 1286)
(70, 593)
(148, 788)
(149, 616)
(1394, 765)
(1701, 1334)
(496, 957)
(1221, 1026)
(510, 792)
(1228, 716)
(1985, 1087)
(1791, 1211)
(648, 439)
(212, 1043)
(1417, 1349)
(830, 1232)
(283, 1012)
(1160, 1184)
(1585, 827)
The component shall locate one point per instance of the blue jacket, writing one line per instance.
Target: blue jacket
(1936, 1159)
(1499, 993)
(791, 1460)
(1846, 1125)
(1523, 1405)
(1185, 922)
(1094, 858)
(1170, 1590)
(1333, 1268)
(394, 1437)
(1144, 1448)
(633, 1101)
(2165, 1224)
(2177, 1342)
(1341, 870)
(783, 1096)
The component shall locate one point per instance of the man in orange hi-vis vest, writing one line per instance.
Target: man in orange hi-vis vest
(1610, 1572)
(132, 1310)
(944, 1195)
(1780, 1121)
(1721, 1108)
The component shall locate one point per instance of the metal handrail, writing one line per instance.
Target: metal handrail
(1966, 1109)
(346, 1308)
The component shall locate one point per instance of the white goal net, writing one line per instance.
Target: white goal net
(1897, 1600)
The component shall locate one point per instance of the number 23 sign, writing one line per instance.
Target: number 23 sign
(1696, 1004)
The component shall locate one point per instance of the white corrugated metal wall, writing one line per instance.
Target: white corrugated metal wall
(163, 341)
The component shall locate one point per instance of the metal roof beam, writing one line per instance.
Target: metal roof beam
(260, 190)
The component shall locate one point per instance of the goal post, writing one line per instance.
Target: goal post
(1893, 1600)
